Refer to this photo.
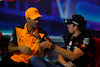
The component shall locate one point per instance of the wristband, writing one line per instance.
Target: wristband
(53, 46)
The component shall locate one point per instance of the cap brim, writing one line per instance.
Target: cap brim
(68, 21)
(36, 16)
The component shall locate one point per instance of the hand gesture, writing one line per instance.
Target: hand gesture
(46, 44)
(25, 50)
(69, 64)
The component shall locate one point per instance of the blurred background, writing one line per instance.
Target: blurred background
(53, 11)
(12, 14)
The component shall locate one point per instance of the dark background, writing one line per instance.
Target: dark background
(53, 11)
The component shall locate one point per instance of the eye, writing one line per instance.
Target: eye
(37, 19)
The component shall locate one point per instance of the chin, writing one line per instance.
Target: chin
(36, 27)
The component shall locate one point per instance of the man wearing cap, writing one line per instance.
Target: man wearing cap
(79, 48)
(25, 40)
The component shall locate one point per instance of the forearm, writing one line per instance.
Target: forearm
(61, 60)
(71, 55)
(12, 48)
(65, 53)
(41, 51)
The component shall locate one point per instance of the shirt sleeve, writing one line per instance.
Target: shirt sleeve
(45, 35)
(83, 45)
(13, 38)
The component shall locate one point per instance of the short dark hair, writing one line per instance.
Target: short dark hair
(81, 29)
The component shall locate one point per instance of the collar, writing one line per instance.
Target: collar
(79, 36)
(26, 31)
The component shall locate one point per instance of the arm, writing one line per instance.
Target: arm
(65, 53)
(61, 59)
(13, 45)
(69, 54)
(41, 51)
(12, 48)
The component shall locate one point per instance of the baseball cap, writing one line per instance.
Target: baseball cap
(32, 13)
(77, 20)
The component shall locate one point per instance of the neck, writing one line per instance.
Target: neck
(77, 33)
(29, 28)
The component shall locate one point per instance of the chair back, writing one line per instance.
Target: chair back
(97, 52)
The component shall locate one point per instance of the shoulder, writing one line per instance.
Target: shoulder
(88, 36)
(20, 26)
(86, 39)
(41, 30)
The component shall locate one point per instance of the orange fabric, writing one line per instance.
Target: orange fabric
(25, 39)
(32, 13)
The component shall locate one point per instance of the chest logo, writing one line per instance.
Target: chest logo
(70, 43)
(76, 43)
(21, 36)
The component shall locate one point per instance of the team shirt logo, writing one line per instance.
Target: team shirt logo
(11, 39)
(70, 43)
(69, 46)
(86, 41)
(76, 43)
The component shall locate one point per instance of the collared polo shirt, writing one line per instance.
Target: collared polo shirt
(21, 37)
(85, 42)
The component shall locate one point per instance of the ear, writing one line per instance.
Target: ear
(76, 27)
(27, 19)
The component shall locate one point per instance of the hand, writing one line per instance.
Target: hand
(69, 64)
(25, 50)
(46, 44)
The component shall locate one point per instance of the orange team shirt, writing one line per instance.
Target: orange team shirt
(25, 39)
